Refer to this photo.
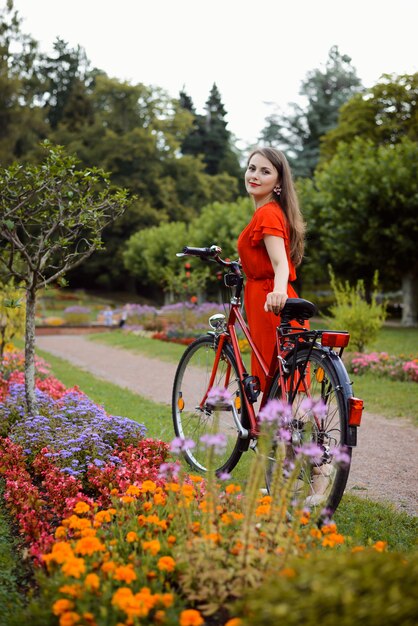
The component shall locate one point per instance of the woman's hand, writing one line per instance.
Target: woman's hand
(275, 301)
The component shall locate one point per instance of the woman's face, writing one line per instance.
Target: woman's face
(260, 179)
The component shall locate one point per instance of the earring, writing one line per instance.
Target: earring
(277, 189)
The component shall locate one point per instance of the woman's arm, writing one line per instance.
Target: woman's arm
(276, 299)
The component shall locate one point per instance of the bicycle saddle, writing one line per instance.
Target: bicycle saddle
(297, 309)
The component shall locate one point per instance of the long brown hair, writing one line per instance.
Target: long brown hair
(287, 200)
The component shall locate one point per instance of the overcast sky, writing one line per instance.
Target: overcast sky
(257, 51)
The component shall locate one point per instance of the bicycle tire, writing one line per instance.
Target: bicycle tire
(325, 484)
(190, 419)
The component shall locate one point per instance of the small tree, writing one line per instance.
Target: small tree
(51, 219)
(352, 312)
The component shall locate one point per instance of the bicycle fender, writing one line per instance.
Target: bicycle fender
(346, 389)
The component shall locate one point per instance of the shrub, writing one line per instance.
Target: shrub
(352, 312)
(77, 315)
(344, 588)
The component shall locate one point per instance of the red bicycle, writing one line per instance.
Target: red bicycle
(306, 365)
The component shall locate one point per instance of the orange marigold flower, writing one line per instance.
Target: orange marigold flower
(74, 567)
(315, 533)
(71, 590)
(332, 540)
(357, 549)
(127, 499)
(89, 618)
(329, 528)
(141, 520)
(61, 551)
(215, 537)
(89, 545)
(61, 606)
(152, 546)
(262, 509)
(69, 619)
(188, 491)
(81, 507)
(125, 573)
(148, 486)
(104, 516)
(88, 532)
(171, 539)
(232, 488)
(109, 566)
(166, 564)
(380, 546)
(147, 506)
(151, 574)
(167, 599)
(304, 519)
(159, 498)
(92, 582)
(174, 487)
(190, 617)
(133, 490)
(131, 537)
(236, 549)
(159, 616)
(265, 500)
(287, 572)
(60, 532)
(235, 621)
(77, 523)
(195, 479)
(195, 527)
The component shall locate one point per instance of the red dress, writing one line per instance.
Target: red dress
(267, 220)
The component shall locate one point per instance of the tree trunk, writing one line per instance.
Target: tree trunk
(30, 351)
(410, 299)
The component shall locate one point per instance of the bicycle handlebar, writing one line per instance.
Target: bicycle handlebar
(210, 253)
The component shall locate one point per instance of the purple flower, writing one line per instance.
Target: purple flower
(218, 395)
(224, 475)
(179, 444)
(169, 471)
(216, 441)
(311, 451)
(283, 434)
(341, 456)
(276, 412)
(317, 407)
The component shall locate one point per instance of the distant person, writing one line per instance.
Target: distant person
(108, 316)
(270, 248)
(123, 317)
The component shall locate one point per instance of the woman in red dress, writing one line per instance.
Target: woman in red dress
(270, 248)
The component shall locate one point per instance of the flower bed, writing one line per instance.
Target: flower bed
(120, 533)
(382, 364)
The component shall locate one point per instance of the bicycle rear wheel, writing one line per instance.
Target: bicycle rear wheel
(322, 483)
(193, 416)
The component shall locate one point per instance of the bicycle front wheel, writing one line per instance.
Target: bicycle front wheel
(194, 417)
(322, 483)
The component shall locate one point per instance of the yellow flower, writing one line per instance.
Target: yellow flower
(74, 567)
(188, 491)
(89, 545)
(131, 537)
(152, 546)
(380, 546)
(77, 523)
(69, 619)
(166, 564)
(61, 606)
(190, 617)
(159, 498)
(104, 516)
(174, 487)
(92, 582)
(133, 490)
(81, 507)
(125, 573)
(126, 499)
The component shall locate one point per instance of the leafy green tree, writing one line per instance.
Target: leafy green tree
(51, 216)
(298, 132)
(384, 114)
(363, 204)
(12, 314)
(21, 123)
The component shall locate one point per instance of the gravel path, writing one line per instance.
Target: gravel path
(385, 463)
